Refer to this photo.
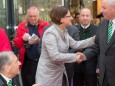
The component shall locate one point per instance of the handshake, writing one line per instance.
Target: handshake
(80, 57)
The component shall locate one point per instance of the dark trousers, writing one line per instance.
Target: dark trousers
(70, 72)
(105, 81)
(28, 72)
(81, 79)
(64, 82)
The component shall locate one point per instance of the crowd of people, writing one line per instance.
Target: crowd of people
(61, 54)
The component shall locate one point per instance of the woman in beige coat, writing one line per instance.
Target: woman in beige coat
(55, 44)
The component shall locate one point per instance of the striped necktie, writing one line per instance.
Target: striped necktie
(10, 83)
(109, 31)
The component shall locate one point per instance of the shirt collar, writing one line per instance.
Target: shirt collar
(113, 21)
(6, 78)
(85, 26)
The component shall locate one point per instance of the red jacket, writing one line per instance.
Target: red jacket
(4, 41)
(19, 42)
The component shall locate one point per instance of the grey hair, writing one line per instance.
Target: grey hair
(5, 58)
(33, 6)
(111, 2)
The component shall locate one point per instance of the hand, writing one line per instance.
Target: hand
(80, 57)
(97, 71)
(25, 37)
(34, 40)
(36, 85)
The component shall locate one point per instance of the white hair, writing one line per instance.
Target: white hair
(112, 2)
(5, 58)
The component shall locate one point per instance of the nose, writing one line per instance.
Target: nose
(19, 62)
(85, 17)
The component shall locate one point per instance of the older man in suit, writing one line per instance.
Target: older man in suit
(9, 67)
(105, 45)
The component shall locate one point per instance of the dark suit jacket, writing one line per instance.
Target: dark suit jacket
(4, 83)
(107, 53)
(90, 65)
(74, 33)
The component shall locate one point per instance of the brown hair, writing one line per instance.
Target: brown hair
(57, 13)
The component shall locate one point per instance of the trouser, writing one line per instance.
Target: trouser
(70, 72)
(105, 81)
(81, 78)
(64, 82)
(28, 72)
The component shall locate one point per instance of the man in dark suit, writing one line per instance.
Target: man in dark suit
(85, 72)
(105, 45)
(9, 68)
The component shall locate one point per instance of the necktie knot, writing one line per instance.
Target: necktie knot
(84, 29)
(10, 83)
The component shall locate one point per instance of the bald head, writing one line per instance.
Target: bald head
(85, 16)
(84, 10)
(32, 8)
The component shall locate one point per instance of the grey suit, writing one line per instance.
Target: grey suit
(107, 55)
(55, 44)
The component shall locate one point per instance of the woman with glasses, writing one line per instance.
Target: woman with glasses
(55, 43)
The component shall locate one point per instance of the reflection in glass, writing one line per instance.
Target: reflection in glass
(2, 14)
(45, 6)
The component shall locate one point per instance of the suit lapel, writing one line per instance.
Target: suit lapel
(3, 80)
(112, 40)
(103, 33)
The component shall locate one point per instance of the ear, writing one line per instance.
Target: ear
(7, 67)
(62, 21)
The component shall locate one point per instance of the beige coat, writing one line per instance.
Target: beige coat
(55, 44)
